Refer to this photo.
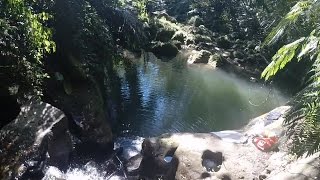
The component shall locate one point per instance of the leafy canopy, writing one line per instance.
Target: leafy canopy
(24, 40)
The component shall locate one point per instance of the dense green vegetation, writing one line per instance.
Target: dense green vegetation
(76, 41)
(24, 41)
(300, 28)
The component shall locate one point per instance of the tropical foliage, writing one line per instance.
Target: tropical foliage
(141, 6)
(301, 29)
(24, 40)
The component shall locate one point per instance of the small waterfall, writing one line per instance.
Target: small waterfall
(111, 169)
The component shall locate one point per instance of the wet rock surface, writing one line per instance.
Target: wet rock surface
(38, 137)
(202, 56)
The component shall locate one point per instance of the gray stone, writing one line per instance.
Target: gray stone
(38, 130)
(251, 45)
(132, 166)
(163, 14)
(224, 42)
(257, 48)
(214, 60)
(189, 41)
(166, 50)
(202, 56)
(179, 36)
(164, 35)
(196, 21)
(193, 12)
(151, 165)
(178, 44)
(201, 38)
(226, 54)
(209, 156)
(238, 54)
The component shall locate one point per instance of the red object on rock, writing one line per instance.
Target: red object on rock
(265, 144)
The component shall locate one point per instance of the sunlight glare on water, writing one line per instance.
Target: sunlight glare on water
(163, 97)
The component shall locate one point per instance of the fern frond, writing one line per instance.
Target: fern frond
(295, 12)
(305, 132)
(303, 121)
(281, 58)
(309, 46)
(315, 78)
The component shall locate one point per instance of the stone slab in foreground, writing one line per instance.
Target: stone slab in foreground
(208, 156)
(39, 135)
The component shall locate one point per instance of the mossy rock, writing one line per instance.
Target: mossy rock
(224, 42)
(164, 35)
(179, 36)
(165, 50)
(200, 38)
(202, 56)
(196, 21)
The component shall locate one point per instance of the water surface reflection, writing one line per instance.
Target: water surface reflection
(162, 97)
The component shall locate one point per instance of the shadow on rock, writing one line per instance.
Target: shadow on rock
(155, 165)
(212, 161)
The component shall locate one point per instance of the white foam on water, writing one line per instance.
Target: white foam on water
(92, 171)
(88, 172)
(131, 146)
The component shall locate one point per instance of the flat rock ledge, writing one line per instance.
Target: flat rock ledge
(225, 155)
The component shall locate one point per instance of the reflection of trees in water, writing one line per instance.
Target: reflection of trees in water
(131, 76)
(131, 99)
(162, 98)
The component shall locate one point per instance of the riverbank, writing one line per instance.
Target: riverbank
(217, 155)
(88, 94)
(232, 156)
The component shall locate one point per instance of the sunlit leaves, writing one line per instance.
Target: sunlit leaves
(24, 40)
(303, 120)
(288, 20)
(281, 58)
(310, 46)
(141, 6)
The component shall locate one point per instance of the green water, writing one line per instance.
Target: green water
(161, 97)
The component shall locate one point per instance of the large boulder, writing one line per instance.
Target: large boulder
(179, 36)
(164, 50)
(224, 42)
(202, 56)
(84, 101)
(204, 156)
(38, 137)
(201, 38)
(238, 54)
(223, 155)
(164, 35)
(88, 93)
(196, 21)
